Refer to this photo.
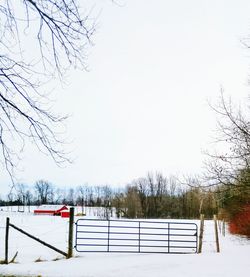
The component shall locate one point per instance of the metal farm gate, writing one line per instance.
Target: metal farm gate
(96, 235)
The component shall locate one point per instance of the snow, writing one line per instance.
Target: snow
(232, 261)
(51, 207)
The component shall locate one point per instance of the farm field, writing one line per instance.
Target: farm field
(34, 259)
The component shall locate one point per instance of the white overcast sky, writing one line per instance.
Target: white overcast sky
(143, 104)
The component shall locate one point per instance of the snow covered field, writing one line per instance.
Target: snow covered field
(34, 259)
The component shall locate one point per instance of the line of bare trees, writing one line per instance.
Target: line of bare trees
(153, 196)
(44, 192)
(156, 196)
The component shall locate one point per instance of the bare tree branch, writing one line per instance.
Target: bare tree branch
(61, 34)
(226, 166)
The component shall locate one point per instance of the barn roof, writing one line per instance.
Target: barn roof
(51, 207)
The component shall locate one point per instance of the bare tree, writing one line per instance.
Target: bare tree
(82, 192)
(107, 195)
(28, 198)
(98, 195)
(44, 191)
(39, 40)
(132, 203)
(24, 196)
(226, 167)
(59, 196)
(119, 202)
(71, 197)
(20, 193)
(10, 199)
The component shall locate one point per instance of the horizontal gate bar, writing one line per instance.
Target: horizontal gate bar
(143, 252)
(136, 227)
(142, 234)
(160, 240)
(133, 245)
(137, 221)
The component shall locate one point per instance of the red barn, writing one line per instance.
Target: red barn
(50, 209)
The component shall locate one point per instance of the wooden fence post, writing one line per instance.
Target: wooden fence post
(7, 240)
(201, 232)
(216, 234)
(71, 229)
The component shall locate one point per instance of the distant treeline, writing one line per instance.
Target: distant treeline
(153, 196)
